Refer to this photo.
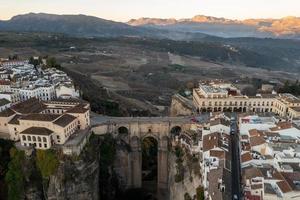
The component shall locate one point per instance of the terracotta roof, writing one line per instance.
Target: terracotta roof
(292, 178)
(246, 147)
(252, 172)
(7, 113)
(78, 109)
(37, 131)
(284, 186)
(40, 117)
(217, 154)
(255, 141)
(211, 141)
(255, 132)
(64, 120)
(284, 125)
(32, 105)
(246, 157)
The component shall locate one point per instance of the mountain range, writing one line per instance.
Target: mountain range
(287, 27)
(194, 28)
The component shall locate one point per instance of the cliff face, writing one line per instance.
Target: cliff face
(180, 106)
(185, 187)
(75, 180)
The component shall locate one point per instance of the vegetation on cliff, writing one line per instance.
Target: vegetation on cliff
(47, 162)
(179, 176)
(15, 176)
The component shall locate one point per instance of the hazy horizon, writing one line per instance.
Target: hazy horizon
(132, 9)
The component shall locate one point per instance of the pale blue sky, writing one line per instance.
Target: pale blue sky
(123, 10)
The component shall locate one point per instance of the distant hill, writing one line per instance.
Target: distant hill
(87, 26)
(288, 27)
(80, 25)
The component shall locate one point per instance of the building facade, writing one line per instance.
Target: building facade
(214, 98)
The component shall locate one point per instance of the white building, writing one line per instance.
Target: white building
(44, 93)
(66, 91)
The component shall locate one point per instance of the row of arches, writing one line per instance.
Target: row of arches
(233, 109)
(175, 131)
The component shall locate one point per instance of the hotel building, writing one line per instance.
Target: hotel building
(224, 97)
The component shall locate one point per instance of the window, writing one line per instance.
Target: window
(39, 139)
(40, 145)
(44, 139)
(34, 138)
(45, 145)
(58, 137)
(24, 137)
(29, 138)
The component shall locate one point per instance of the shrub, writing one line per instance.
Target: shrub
(200, 193)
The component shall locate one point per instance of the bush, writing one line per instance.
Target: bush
(47, 162)
(200, 193)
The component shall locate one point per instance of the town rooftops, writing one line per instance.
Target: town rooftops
(258, 140)
(64, 120)
(217, 178)
(78, 109)
(251, 172)
(246, 157)
(7, 113)
(40, 117)
(284, 186)
(211, 141)
(32, 105)
(37, 131)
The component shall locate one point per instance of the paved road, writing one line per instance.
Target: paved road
(235, 160)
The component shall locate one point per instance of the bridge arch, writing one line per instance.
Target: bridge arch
(175, 131)
(123, 130)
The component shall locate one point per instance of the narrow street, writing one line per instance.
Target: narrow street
(235, 160)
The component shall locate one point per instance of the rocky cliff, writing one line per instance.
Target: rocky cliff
(184, 184)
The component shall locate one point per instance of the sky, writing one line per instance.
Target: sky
(124, 10)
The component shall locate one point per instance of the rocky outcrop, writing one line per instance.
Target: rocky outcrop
(181, 106)
(187, 186)
(75, 180)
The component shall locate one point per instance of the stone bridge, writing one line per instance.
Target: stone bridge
(133, 131)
